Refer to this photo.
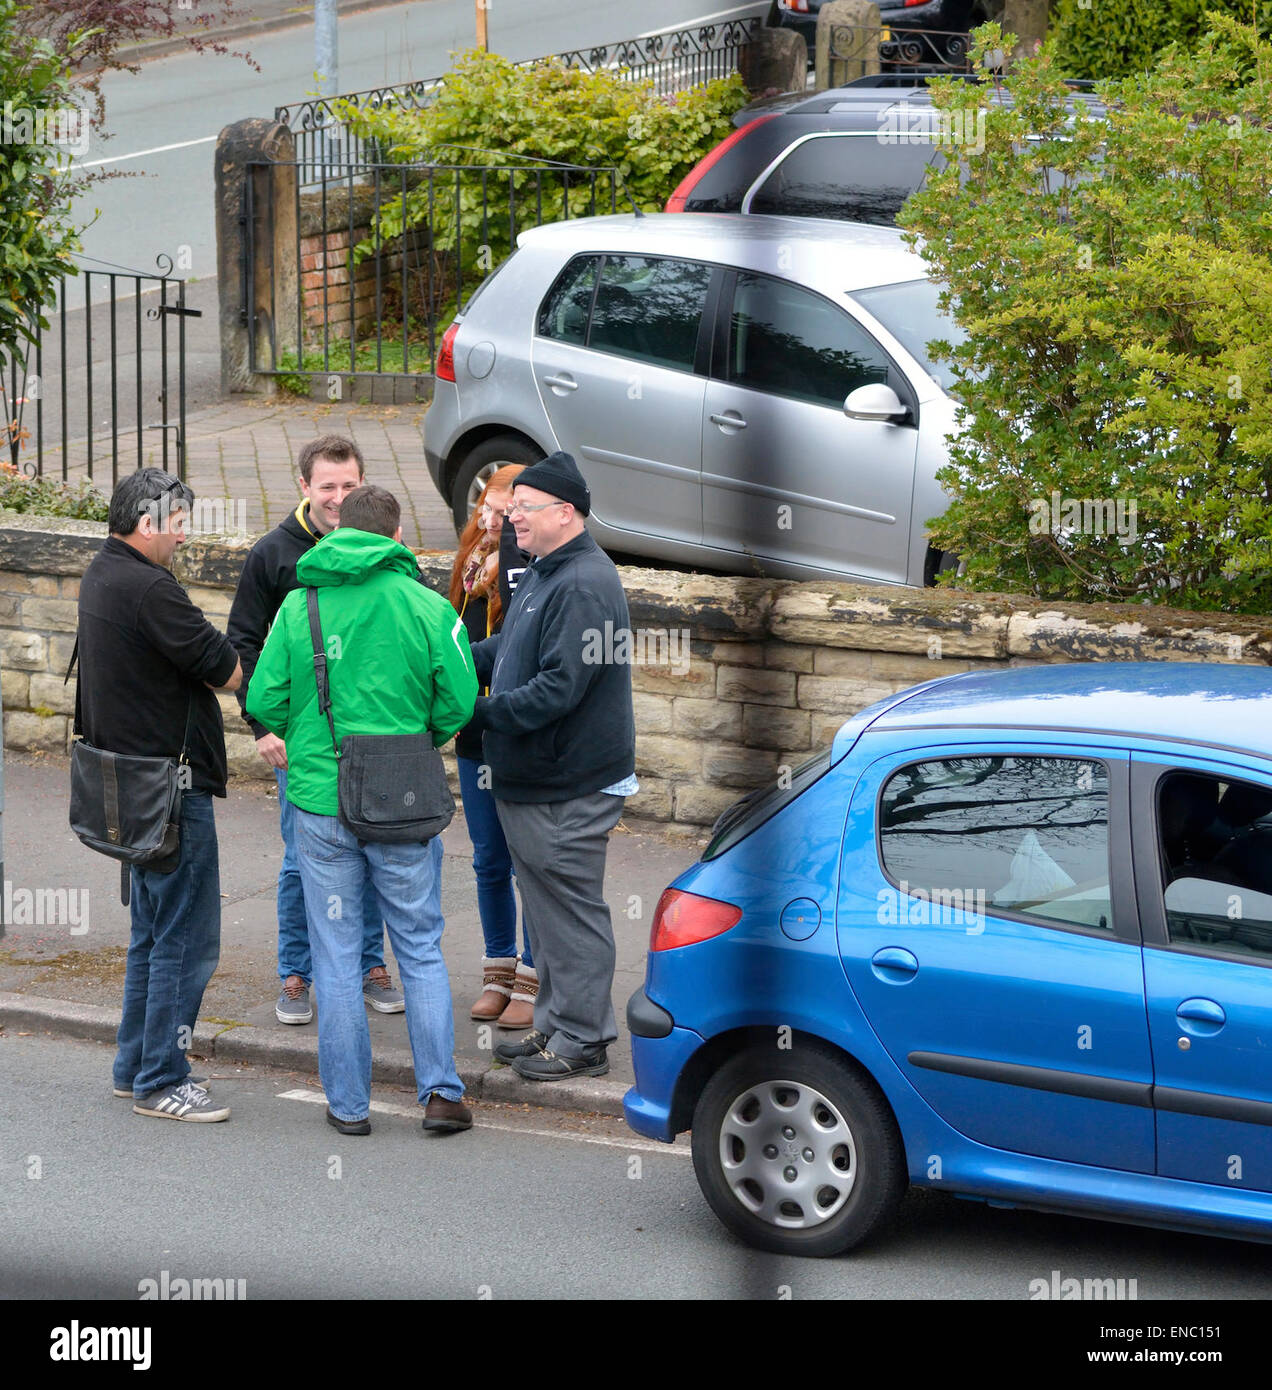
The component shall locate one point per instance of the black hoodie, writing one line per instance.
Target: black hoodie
(269, 575)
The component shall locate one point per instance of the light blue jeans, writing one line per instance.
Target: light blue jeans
(407, 879)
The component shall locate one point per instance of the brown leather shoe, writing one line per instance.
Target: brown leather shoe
(520, 1011)
(446, 1116)
(498, 976)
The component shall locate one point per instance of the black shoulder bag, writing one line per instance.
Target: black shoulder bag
(127, 806)
(391, 787)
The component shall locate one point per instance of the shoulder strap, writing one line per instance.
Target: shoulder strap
(320, 664)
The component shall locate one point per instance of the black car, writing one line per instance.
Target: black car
(853, 153)
(908, 24)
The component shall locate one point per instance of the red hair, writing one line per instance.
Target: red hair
(472, 534)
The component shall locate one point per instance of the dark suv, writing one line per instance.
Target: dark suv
(853, 153)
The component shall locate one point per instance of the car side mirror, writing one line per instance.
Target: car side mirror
(874, 402)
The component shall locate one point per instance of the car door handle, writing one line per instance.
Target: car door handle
(731, 420)
(561, 383)
(1200, 1017)
(894, 965)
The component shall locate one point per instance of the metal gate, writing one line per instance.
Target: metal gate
(103, 385)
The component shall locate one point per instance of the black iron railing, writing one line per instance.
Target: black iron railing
(372, 285)
(94, 387)
(924, 50)
(673, 61)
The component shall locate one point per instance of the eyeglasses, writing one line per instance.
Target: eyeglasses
(487, 510)
(538, 507)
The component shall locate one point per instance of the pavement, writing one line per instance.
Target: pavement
(64, 975)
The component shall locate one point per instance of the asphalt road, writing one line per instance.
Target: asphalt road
(527, 1205)
(163, 121)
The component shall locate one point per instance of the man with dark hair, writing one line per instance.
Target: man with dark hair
(330, 469)
(560, 740)
(398, 663)
(148, 664)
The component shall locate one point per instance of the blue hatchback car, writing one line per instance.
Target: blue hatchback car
(1009, 937)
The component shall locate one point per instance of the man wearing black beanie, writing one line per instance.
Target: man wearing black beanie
(560, 740)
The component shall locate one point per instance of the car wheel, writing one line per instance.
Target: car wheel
(480, 465)
(796, 1152)
(938, 562)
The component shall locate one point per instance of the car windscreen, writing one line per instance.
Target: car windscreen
(909, 311)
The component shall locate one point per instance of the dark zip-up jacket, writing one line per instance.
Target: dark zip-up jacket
(556, 725)
(269, 575)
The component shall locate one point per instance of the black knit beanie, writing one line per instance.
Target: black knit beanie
(558, 475)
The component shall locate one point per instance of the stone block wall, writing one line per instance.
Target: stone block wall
(733, 679)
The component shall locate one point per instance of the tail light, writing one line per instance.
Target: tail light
(798, 6)
(676, 203)
(445, 369)
(681, 919)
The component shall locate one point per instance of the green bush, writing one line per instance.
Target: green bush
(537, 113)
(1110, 38)
(52, 497)
(1115, 282)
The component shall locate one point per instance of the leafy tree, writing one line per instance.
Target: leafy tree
(39, 111)
(1114, 278)
(1108, 38)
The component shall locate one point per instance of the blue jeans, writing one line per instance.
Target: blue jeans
(336, 868)
(492, 864)
(293, 926)
(174, 948)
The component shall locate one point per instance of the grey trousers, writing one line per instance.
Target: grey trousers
(558, 851)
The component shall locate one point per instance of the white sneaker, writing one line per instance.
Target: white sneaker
(182, 1102)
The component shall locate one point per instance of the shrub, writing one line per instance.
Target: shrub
(1106, 38)
(51, 497)
(1115, 282)
(534, 114)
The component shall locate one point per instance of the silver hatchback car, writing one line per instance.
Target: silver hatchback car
(747, 394)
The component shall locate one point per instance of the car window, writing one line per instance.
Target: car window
(1015, 835)
(649, 308)
(1216, 854)
(787, 340)
(564, 311)
(855, 178)
(910, 311)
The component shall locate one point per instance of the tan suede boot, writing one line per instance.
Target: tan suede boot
(520, 1010)
(497, 980)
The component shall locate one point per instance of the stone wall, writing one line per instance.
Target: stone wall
(740, 678)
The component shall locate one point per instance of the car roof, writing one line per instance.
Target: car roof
(828, 254)
(1216, 706)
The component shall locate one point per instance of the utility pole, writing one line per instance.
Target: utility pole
(483, 40)
(326, 67)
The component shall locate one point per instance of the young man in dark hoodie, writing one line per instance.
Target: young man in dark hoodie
(330, 469)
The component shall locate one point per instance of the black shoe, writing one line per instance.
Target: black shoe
(531, 1045)
(548, 1066)
(349, 1126)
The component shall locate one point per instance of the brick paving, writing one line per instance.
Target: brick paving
(244, 450)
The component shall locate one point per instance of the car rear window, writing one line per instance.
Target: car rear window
(746, 816)
(853, 177)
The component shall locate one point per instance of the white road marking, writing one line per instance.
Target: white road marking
(414, 1112)
(138, 154)
(703, 19)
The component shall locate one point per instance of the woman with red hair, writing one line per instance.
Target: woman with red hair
(482, 580)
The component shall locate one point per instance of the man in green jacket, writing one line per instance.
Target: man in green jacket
(398, 663)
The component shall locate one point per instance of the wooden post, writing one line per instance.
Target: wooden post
(482, 39)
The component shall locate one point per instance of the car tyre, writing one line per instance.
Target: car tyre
(755, 1124)
(480, 464)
